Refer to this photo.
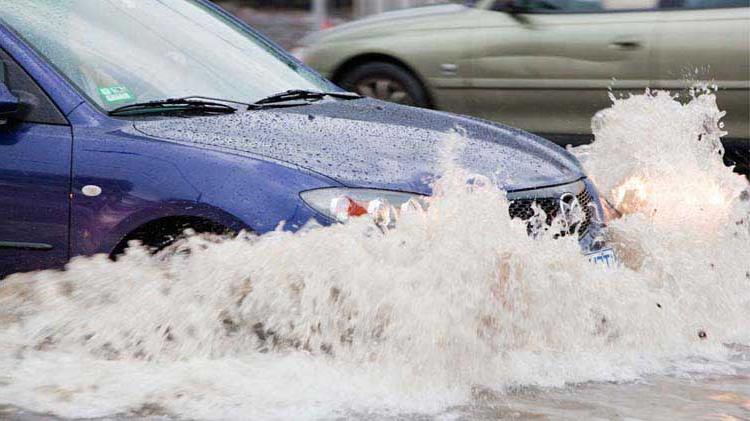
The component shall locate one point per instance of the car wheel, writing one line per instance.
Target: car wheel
(387, 82)
(170, 235)
(184, 244)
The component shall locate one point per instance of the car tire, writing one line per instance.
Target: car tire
(387, 82)
(170, 235)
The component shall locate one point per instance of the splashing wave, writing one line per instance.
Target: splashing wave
(348, 318)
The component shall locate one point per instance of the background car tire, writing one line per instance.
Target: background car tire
(387, 82)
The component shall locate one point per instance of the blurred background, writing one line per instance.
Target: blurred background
(287, 21)
(546, 66)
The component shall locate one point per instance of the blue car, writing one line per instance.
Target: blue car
(137, 119)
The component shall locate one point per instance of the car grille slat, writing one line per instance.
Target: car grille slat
(584, 198)
(524, 209)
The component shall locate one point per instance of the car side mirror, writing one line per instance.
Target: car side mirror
(510, 6)
(9, 104)
(514, 8)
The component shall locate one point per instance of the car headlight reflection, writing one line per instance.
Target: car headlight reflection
(610, 212)
(343, 204)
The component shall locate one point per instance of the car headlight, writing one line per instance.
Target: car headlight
(342, 204)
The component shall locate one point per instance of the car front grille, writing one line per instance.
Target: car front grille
(523, 209)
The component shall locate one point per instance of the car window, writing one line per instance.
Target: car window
(585, 6)
(123, 51)
(703, 4)
(37, 107)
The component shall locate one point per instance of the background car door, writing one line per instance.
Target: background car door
(35, 159)
(708, 40)
(548, 69)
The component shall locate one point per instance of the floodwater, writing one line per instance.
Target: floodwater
(456, 313)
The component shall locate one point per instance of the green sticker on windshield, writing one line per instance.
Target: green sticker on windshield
(115, 94)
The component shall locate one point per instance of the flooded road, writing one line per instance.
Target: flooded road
(456, 313)
(713, 397)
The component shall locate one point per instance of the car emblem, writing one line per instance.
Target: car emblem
(570, 209)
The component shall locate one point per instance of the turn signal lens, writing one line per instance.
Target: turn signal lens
(345, 207)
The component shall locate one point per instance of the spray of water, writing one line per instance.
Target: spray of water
(455, 299)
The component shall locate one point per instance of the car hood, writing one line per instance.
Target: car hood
(369, 143)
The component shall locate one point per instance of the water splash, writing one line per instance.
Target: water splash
(456, 297)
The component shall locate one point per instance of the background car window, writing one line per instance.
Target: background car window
(564, 5)
(703, 4)
(37, 107)
(579, 6)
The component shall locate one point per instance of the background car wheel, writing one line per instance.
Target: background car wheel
(387, 82)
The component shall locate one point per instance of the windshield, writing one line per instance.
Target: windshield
(126, 51)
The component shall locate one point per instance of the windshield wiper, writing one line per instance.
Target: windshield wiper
(189, 104)
(304, 95)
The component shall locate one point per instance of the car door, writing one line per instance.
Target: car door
(35, 162)
(708, 40)
(547, 67)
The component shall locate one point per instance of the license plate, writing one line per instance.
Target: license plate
(603, 257)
